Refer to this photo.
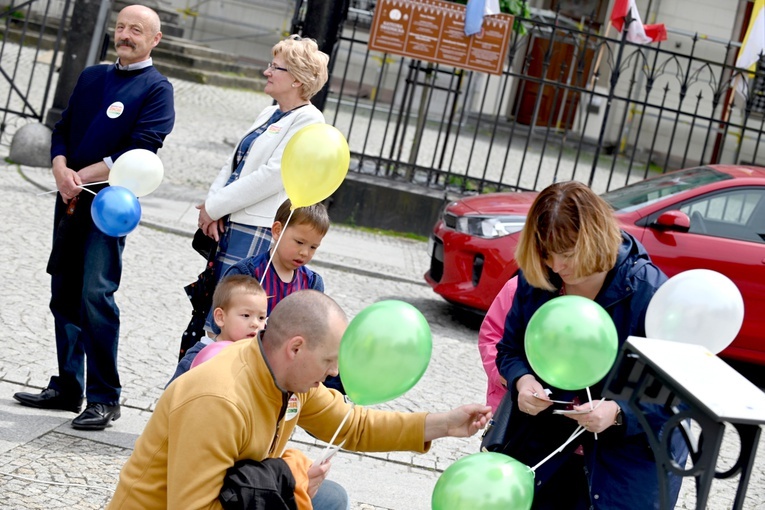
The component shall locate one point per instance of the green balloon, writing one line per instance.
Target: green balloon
(571, 342)
(384, 352)
(485, 481)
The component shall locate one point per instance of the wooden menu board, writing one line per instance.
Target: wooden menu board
(434, 30)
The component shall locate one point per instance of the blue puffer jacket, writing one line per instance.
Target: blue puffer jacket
(620, 464)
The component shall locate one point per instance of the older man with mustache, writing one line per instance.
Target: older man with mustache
(114, 108)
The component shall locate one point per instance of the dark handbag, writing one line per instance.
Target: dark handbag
(200, 294)
(204, 244)
(493, 439)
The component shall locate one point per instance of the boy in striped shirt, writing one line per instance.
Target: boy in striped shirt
(295, 241)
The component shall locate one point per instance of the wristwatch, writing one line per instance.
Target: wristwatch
(619, 418)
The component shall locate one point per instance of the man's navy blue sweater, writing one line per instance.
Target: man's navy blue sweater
(116, 111)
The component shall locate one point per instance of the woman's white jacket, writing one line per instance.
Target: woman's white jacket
(254, 198)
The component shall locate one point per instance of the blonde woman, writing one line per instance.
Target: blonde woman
(243, 199)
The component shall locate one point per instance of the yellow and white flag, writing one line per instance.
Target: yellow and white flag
(752, 46)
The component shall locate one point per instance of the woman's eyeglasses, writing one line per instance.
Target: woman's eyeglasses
(274, 67)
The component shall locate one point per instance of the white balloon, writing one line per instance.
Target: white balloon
(139, 170)
(699, 307)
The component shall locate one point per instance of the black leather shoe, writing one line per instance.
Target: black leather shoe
(49, 399)
(96, 416)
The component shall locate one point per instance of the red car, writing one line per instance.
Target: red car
(710, 217)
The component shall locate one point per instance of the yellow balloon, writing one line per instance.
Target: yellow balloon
(314, 164)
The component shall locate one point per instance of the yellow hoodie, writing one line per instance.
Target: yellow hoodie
(229, 409)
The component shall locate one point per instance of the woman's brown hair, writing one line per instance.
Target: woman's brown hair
(568, 217)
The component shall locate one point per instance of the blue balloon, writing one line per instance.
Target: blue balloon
(116, 211)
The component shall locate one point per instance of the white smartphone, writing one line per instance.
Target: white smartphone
(566, 402)
(548, 392)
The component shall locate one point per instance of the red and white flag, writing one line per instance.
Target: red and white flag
(637, 32)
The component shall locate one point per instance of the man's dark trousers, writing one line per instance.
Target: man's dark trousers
(85, 313)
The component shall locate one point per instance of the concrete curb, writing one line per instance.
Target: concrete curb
(170, 229)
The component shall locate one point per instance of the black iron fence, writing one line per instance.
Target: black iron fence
(37, 29)
(570, 104)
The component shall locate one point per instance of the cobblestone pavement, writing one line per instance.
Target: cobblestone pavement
(40, 446)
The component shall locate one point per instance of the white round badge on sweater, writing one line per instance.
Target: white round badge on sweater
(115, 110)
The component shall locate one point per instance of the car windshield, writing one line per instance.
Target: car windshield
(642, 193)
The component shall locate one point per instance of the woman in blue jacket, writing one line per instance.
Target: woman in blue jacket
(572, 244)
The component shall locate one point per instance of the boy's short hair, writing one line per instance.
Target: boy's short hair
(314, 216)
(233, 285)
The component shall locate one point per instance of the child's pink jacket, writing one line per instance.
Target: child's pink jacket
(490, 333)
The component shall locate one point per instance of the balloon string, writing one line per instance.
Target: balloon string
(339, 427)
(577, 432)
(83, 187)
(88, 190)
(273, 252)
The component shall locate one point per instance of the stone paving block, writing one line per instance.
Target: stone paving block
(423, 462)
(60, 471)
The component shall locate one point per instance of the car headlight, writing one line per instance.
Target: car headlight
(489, 226)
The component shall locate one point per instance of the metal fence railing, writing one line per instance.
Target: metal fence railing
(32, 37)
(570, 104)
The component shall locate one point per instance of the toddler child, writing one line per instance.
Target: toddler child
(239, 309)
